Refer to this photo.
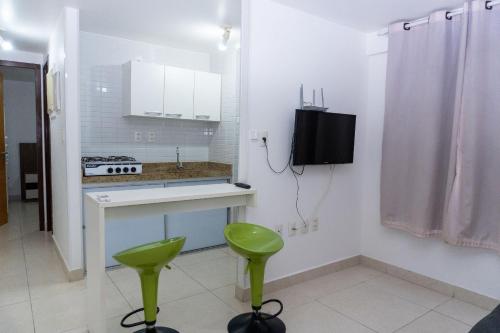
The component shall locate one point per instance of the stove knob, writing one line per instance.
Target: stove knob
(110, 170)
(125, 169)
(133, 169)
(118, 170)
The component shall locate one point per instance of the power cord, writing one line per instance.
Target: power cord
(295, 174)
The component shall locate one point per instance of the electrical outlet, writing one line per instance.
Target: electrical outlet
(137, 136)
(262, 135)
(315, 224)
(304, 227)
(279, 229)
(152, 136)
(292, 229)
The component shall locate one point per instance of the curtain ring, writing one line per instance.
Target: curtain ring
(488, 5)
(406, 26)
(448, 16)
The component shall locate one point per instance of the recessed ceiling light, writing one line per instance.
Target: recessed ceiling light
(222, 47)
(7, 46)
(6, 13)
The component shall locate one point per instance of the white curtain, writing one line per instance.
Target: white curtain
(441, 148)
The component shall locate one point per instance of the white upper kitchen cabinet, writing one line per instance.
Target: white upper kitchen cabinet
(207, 96)
(143, 85)
(179, 93)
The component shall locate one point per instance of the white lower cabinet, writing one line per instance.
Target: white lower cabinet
(124, 233)
(202, 229)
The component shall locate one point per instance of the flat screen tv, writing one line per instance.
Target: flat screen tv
(323, 138)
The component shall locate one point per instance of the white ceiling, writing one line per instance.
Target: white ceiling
(192, 24)
(370, 15)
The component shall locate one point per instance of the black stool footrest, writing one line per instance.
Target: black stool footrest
(277, 313)
(122, 323)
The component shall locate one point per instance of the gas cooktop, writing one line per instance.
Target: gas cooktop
(110, 166)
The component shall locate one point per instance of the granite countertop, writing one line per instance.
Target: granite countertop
(167, 171)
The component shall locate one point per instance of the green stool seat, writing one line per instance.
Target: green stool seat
(148, 260)
(256, 244)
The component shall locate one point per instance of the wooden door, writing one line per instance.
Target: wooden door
(3, 162)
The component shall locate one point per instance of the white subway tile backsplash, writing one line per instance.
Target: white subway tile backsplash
(106, 132)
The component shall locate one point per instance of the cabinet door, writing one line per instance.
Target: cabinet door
(179, 91)
(124, 233)
(147, 85)
(207, 96)
(202, 229)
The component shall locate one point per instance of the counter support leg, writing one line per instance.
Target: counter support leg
(96, 301)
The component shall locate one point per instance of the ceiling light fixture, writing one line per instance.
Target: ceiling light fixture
(6, 45)
(225, 39)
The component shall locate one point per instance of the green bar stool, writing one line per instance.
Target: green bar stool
(148, 260)
(256, 244)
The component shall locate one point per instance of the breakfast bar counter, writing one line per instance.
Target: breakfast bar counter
(100, 206)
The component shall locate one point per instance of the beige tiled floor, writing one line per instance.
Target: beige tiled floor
(197, 295)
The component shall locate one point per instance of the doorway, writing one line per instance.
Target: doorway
(21, 144)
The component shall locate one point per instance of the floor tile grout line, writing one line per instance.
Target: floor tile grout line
(415, 303)
(344, 315)
(383, 291)
(347, 316)
(119, 291)
(412, 321)
(450, 317)
(27, 278)
(196, 280)
(171, 301)
(223, 302)
(340, 290)
(391, 293)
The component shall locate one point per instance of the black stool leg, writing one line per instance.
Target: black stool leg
(256, 322)
(157, 329)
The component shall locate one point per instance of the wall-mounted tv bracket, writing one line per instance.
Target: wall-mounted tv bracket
(311, 106)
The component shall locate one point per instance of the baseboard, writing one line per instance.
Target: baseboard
(459, 293)
(72, 275)
(288, 281)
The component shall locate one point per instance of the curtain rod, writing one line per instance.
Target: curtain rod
(449, 15)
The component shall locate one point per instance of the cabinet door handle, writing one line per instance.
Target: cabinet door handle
(202, 116)
(156, 113)
(173, 115)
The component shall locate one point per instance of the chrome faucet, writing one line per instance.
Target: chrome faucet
(179, 163)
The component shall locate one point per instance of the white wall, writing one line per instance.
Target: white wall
(288, 47)
(473, 269)
(22, 56)
(224, 145)
(65, 141)
(20, 126)
(105, 131)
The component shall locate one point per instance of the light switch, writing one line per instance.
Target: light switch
(254, 135)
